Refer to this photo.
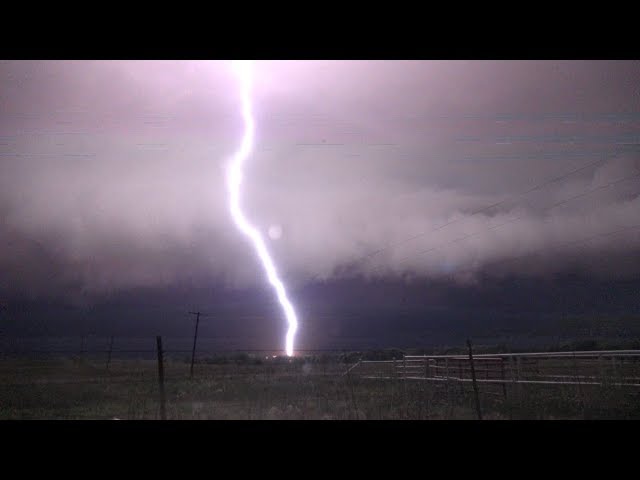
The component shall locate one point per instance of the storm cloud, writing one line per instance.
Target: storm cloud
(112, 172)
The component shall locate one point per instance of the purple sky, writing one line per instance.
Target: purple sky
(112, 172)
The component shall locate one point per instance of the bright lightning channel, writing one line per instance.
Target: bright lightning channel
(242, 69)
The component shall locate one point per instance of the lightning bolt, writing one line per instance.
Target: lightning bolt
(234, 178)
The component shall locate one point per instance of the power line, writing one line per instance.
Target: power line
(560, 245)
(520, 217)
(484, 209)
(478, 211)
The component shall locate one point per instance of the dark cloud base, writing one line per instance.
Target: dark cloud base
(353, 313)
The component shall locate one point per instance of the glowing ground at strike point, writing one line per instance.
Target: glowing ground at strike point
(234, 179)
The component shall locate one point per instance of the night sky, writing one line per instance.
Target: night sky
(404, 202)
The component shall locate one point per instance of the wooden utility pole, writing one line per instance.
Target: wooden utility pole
(195, 339)
(163, 411)
(473, 379)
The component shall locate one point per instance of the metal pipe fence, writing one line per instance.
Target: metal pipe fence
(604, 367)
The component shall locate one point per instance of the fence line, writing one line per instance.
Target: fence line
(535, 368)
(497, 381)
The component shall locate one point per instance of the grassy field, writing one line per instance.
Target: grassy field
(73, 389)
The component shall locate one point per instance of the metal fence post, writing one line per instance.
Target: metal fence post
(504, 384)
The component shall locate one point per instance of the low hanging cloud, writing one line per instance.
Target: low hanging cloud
(112, 173)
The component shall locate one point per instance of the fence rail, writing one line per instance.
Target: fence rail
(604, 367)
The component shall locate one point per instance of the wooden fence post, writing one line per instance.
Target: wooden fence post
(473, 379)
(163, 411)
(195, 339)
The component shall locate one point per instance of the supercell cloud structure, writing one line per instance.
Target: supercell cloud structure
(112, 173)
